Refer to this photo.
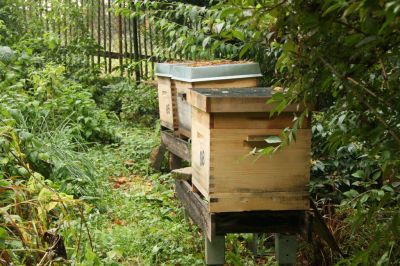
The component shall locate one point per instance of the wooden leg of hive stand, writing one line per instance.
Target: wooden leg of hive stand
(215, 250)
(285, 249)
(254, 244)
(174, 161)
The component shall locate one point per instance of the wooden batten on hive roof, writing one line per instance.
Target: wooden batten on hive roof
(236, 100)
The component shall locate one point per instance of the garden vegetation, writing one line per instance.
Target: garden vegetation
(75, 183)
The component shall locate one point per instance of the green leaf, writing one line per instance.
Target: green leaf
(364, 198)
(45, 195)
(3, 237)
(239, 35)
(366, 40)
(206, 41)
(219, 27)
(351, 193)
(359, 174)
(388, 188)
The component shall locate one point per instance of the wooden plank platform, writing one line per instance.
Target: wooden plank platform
(214, 224)
(177, 146)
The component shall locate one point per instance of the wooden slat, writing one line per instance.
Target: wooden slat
(184, 111)
(167, 103)
(271, 201)
(182, 174)
(227, 84)
(195, 207)
(235, 104)
(254, 120)
(175, 145)
(201, 151)
(238, 222)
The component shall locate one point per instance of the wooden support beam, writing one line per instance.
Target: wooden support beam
(182, 174)
(215, 250)
(284, 222)
(157, 156)
(195, 207)
(285, 249)
(176, 145)
(174, 161)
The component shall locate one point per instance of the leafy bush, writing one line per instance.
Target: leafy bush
(44, 96)
(31, 206)
(131, 102)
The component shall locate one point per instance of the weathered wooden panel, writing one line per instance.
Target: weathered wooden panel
(175, 145)
(238, 222)
(195, 207)
(273, 201)
(253, 121)
(201, 149)
(184, 112)
(184, 174)
(167, 103)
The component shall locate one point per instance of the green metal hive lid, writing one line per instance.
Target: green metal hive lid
(165, 69)
(216, 72)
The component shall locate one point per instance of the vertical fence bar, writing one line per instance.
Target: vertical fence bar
(66, 18)
(130, 42)
(125, 41)
(146, 67)
(92, 29)
(109, 38)
(121, 63)
(136, 47)
(99, 31)
(139, 32)
(152, 58)
(104, 35)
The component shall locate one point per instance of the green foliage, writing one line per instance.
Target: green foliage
(131, 102)
(339, 56)
(30, 203)
(43, 95)
(6, 55)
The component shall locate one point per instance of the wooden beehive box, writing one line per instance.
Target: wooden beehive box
(218, 76)
(226, 126)
(167, 95)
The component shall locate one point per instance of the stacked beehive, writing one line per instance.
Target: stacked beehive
(224, 113)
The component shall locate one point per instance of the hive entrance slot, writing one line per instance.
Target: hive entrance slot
(260, 141)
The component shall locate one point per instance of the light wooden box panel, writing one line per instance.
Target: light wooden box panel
(183, 97)
(233, 180)
(167, 102)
